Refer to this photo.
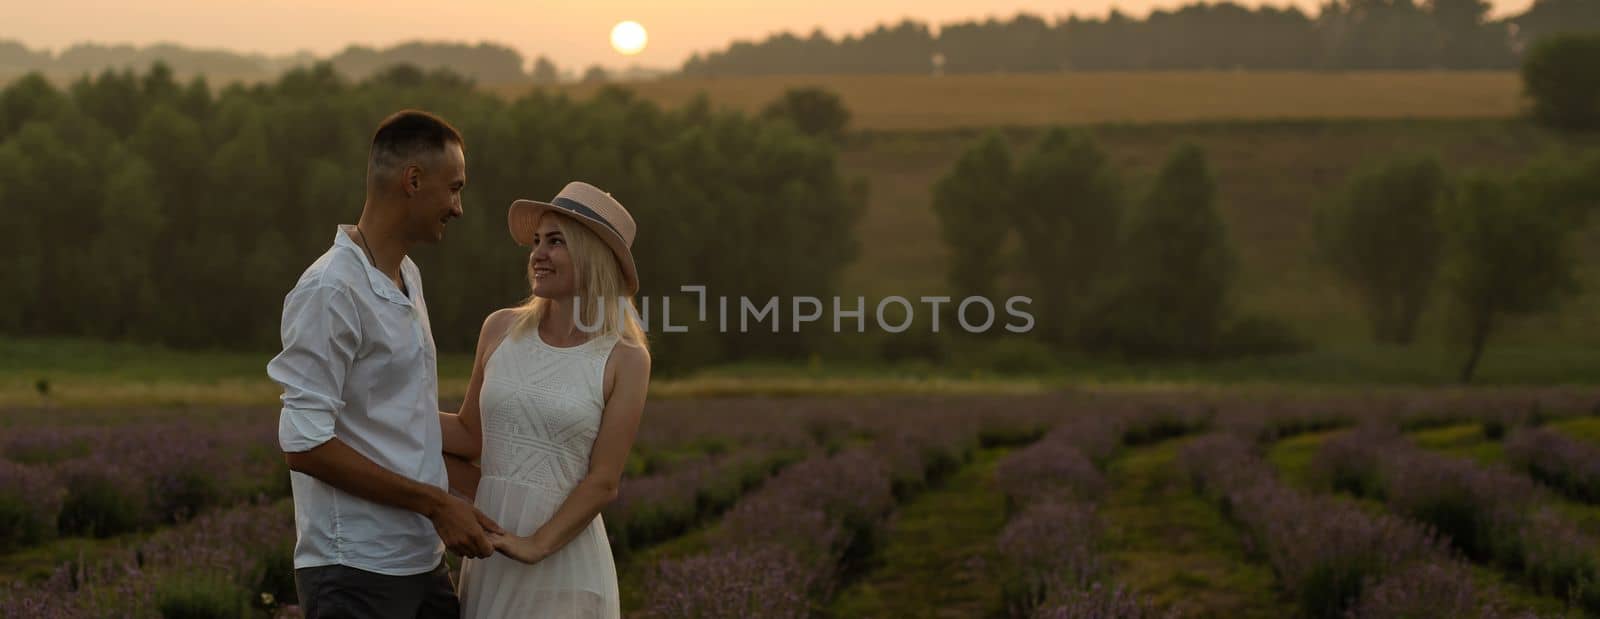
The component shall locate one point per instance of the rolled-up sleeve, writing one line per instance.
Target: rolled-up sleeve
(321, 333)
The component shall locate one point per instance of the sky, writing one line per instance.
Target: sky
(573, 34)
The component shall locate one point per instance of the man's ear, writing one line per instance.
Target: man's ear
(411, 181)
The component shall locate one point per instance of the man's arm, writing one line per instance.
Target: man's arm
(321, 336)
(459, 524)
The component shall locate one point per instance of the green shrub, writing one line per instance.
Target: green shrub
(201, 595)
(100, 503)
(1558, 74)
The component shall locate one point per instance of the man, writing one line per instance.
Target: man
(359, 425)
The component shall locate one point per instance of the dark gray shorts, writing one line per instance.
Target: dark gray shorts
(341, 592)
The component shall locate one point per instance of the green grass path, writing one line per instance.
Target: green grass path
(937, 560)
(1172, 546)
(1581, 428)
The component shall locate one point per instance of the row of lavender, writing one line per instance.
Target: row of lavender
(1570, 466)
(1053, 568)
(1271, 416)
(1334, 558)
(138, 470)
(783, 550)
(107, 480)
(151, 468)
(226, 563)
(1492, 516)
(654, 508)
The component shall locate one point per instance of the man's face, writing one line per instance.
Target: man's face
(437, 196)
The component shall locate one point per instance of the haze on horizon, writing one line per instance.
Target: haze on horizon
(573, 35)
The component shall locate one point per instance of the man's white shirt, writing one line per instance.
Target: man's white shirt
(359, 363)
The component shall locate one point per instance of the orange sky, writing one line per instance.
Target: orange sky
(574, 34)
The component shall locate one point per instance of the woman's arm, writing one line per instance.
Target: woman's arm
(463, 431)
(463, 476)
(618, 425)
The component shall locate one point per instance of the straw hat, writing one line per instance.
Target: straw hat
(595, 209)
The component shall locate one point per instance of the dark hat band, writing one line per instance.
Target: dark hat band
(579, 208)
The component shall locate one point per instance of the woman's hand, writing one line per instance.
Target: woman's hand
(517, 547)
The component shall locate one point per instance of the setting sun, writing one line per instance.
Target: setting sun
(628, 38)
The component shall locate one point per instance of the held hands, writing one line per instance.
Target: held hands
(517, 547)
(464, 529)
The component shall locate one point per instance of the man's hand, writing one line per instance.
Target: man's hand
(488, 524)
(461, 527)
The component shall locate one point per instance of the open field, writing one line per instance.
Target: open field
(94, 375)
(926, 103)
(989, 506)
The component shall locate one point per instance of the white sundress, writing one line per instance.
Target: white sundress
(541, 408)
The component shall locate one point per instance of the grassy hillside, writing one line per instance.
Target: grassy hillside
(1270, 176)
(912, 102)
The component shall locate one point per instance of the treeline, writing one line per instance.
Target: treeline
(1345, 34)
(145, 208)
(485, 63)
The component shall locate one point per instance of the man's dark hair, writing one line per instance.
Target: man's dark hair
(406, 134)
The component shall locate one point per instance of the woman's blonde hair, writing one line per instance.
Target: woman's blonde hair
(601, 291)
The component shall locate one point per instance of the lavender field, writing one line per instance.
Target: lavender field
(1469, 503)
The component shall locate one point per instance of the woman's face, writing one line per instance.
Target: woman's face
(550, 265)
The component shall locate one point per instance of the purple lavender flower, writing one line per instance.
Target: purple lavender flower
(1425, 590)
(1100, 602)
(1570, 466)
(1049, 547)
(1323, 550)
(30, 501)
(733, 583)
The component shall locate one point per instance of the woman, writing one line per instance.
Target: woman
(552, 408)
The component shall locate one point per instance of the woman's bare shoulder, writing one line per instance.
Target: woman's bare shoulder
(495, 328)
(630, 358)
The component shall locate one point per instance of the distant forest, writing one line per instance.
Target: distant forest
(485, 63)
(1344, 34)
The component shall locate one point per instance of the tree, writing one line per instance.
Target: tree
(30, 97)
(545, 72)
(1559, 75)
(51, 186)
(113, 100)
(596, 73)
(1066, 209)
(1380, 34)
(1177, 269)
(816, 112)
(973, 202)
(1547, 17)
(19, 271)
(1381, 237)
(1507, 258)
(213, 206)
(1467, 39)
(1563, 183)
(122, 262)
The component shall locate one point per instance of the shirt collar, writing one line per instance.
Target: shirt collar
(381, 284)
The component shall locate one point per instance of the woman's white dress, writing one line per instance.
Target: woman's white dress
(541, 408)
